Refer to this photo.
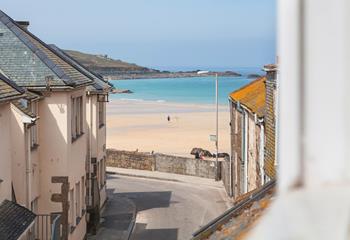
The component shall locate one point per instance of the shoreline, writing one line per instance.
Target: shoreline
(168, 75)
(143, 126)
(136, 106)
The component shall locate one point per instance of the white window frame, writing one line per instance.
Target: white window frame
(71, 208)
(77, 117)
(82, 194)
(101, 114)
(77, 201)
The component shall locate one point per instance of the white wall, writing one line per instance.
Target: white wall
(59, 156)
(5, 150)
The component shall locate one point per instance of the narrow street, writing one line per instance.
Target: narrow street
(167, 209)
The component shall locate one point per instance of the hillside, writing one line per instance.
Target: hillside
(106, 66)
(116, 69)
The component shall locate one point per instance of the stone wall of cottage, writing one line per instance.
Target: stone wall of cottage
(236, 142)
(270, 122)
(225, 174)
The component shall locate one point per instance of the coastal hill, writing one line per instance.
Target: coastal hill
(116, 69)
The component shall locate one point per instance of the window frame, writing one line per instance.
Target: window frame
(77, 117)
(101, 114)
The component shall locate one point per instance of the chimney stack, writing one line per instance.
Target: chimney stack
(270, 120)
(23, 24)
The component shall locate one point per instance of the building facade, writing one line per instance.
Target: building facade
(16, 221)
(247, 106)
(57, 154)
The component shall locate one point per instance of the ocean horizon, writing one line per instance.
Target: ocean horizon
(191, 90)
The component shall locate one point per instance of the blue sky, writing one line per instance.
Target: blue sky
(158, 33)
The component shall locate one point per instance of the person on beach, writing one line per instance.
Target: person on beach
(168, 118)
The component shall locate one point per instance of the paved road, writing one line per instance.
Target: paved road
(168, 210)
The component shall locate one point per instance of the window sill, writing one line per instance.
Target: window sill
(77, 137)
(101, 125)
(34, 147)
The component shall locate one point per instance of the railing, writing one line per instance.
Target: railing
(47, 227)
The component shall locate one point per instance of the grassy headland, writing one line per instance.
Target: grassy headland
(116, 69)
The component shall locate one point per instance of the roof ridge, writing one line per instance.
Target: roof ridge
(78, 65)
(38, 52)
(75, 61)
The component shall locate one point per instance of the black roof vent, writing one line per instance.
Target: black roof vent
(23, 24)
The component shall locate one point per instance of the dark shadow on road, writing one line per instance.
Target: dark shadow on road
(141, 233)
(116, 219)
(148, 200)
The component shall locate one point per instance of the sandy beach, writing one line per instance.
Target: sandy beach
(144, 126)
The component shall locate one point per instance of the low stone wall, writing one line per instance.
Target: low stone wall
(185, 166)
(133, 160)
(162, 163)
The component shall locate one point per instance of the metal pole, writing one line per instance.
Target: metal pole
(217, 125)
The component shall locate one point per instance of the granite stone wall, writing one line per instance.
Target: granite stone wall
(132, 160)
(185, 166)
(162, 163)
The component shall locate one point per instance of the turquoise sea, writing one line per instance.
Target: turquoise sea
(198, 90)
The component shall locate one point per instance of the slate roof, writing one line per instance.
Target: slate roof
(252, 96)
(8, 89)
(14, 220)
(29, 61)
(23, 109)
(99, 85)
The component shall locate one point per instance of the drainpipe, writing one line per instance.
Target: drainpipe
(27, 123)
(28, 163)
(90, 152)
(245, 151)
(230, 170)
(261, 151)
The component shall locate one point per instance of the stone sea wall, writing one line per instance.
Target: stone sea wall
(162, 163)
(132, 160)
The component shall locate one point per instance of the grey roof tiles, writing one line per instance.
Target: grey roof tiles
(99, 83)
(14, 220)
(8, 89)
(29, 61)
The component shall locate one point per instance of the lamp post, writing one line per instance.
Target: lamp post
(217, 122)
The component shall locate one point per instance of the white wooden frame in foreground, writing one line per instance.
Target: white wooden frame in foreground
(313, 199)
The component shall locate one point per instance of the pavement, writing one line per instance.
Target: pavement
(117, 219)
(144, 205)
(164, 176)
